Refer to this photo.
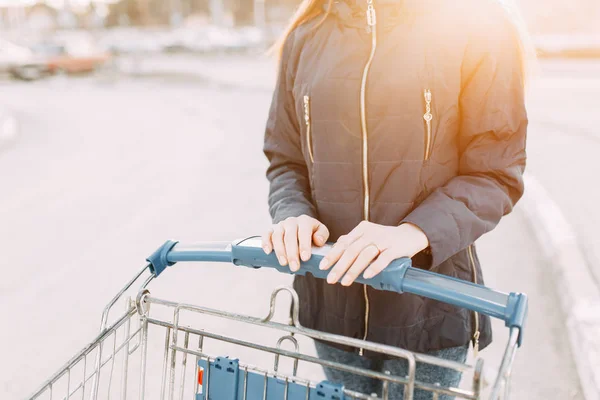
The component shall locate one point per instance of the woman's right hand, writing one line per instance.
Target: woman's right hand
(292, 239)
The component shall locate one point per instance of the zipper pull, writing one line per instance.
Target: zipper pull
(427, 116)
(307, 110)
(371, 16)
(476, 344)
(428, 96)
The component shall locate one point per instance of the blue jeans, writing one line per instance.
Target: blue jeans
(424, 373)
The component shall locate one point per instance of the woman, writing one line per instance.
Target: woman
(397, 129)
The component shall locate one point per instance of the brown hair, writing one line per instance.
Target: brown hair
(307, 10)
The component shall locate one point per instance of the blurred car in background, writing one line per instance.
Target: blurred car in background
(71, 54)
(210, 38)
(202, 38)
(131, 41)
(21, 62)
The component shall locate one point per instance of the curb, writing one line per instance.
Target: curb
(579, 295)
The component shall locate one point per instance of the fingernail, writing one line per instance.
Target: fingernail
(332, 278)
(282, 261)
(323, 264)
(267, 249)
(320, 239)
(305, 255)
(294, 266)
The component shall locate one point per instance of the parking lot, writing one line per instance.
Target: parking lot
(106, 167)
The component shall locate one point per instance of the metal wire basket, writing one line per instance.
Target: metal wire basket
(117, 362)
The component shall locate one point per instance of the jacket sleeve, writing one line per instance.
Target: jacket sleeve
(492, 134)
(289, 191)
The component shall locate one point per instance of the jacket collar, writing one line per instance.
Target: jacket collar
(353, 12)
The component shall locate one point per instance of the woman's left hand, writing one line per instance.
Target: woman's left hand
(373, 246)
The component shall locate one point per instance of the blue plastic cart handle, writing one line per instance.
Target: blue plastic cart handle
(398, 277)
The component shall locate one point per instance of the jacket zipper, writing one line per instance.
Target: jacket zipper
(427, 117)
(371, 26)
(475, 313)
(307, 122)
(367, 312)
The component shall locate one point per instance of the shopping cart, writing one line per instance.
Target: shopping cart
(94, 371)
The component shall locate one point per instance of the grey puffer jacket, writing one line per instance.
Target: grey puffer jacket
(412, 111)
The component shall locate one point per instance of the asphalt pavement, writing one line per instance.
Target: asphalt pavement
(105, 170)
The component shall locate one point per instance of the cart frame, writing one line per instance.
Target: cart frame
(399, 277)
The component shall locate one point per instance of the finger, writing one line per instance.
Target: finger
(266, 241)
(305, 230)
(366, 256)
(278, 246)
(290, 240)
(383, 260)
(321, 234)
(338, 249)
(360, 229)
(335, 252)
(346, 260)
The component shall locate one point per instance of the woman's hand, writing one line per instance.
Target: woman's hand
(354, 252)
(292, 239)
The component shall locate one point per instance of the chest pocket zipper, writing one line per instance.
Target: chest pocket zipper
(308, 123)
(428, 117)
